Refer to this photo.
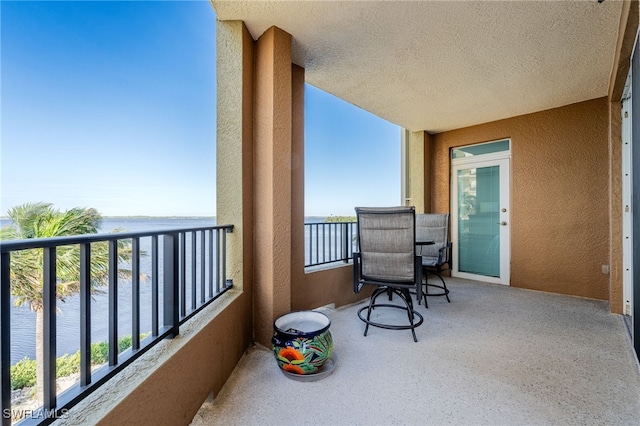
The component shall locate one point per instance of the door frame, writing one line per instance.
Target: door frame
(627, 201)
(503, 160)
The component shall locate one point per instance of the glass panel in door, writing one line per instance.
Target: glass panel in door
(479, 220)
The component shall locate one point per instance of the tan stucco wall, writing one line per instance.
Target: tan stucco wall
(279, 195)
(234, 147)
(418, 180)
(207, 355)
(559, 194)
(332, 285)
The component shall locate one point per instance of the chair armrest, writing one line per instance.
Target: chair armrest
(444, 253)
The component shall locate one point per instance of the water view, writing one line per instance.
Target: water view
(68, 319)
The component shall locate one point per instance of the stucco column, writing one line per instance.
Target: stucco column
(272, 181)
(234, 147)
(297, 188)
(419, 171)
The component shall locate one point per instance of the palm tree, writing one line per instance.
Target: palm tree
(41, 220)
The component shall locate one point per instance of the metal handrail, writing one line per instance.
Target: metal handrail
(178, 306)
(329, 242)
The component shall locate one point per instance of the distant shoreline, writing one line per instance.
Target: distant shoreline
(157, 217)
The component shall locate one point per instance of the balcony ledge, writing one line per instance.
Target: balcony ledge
(97, 406)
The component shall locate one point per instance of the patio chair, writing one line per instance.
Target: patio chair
(434, 227)
(387, 259)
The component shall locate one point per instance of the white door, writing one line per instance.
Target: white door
(480, 219)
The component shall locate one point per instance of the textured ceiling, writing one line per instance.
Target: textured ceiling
(441, 65)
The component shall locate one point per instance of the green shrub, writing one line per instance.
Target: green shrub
(341, 219)
(99, 353)
(67, 365)
(23, 373)
(124, 343)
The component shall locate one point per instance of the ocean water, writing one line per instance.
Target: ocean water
(68, 318)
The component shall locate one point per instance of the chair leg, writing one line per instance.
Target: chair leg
(405, 295)
(372, 301)
(443, 287)
(426, 279)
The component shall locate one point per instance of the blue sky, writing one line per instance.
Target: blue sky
(112, 105)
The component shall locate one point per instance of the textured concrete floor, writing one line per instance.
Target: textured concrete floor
(495, 355)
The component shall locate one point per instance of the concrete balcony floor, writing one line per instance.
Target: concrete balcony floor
(495, 355)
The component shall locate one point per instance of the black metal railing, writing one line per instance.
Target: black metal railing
(329, 242)
(187, 272)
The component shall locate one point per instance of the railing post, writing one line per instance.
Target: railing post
(211, 236)
(85, 314)
(193, 271)
(219, 276)
(224, 256)
(182, 268)
(5, 337)
(154, 285)
(345, 242)
(49, 325)
(353, 236)
(202, 267)
(317, 243)
(135, 293)
(113, 302)
(171, 278)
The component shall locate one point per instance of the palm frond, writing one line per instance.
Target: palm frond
(9, 232)
(40, 220)
(25, 216)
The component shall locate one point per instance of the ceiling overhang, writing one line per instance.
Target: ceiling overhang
(442, 65)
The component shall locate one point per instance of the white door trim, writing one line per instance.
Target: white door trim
(627, 203)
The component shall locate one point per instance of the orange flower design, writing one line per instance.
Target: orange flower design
(292, 355)
(292, 369)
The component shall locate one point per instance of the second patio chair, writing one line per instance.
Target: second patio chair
(387, 259)
(436, 258)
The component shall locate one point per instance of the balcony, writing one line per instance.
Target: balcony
(494, 355)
